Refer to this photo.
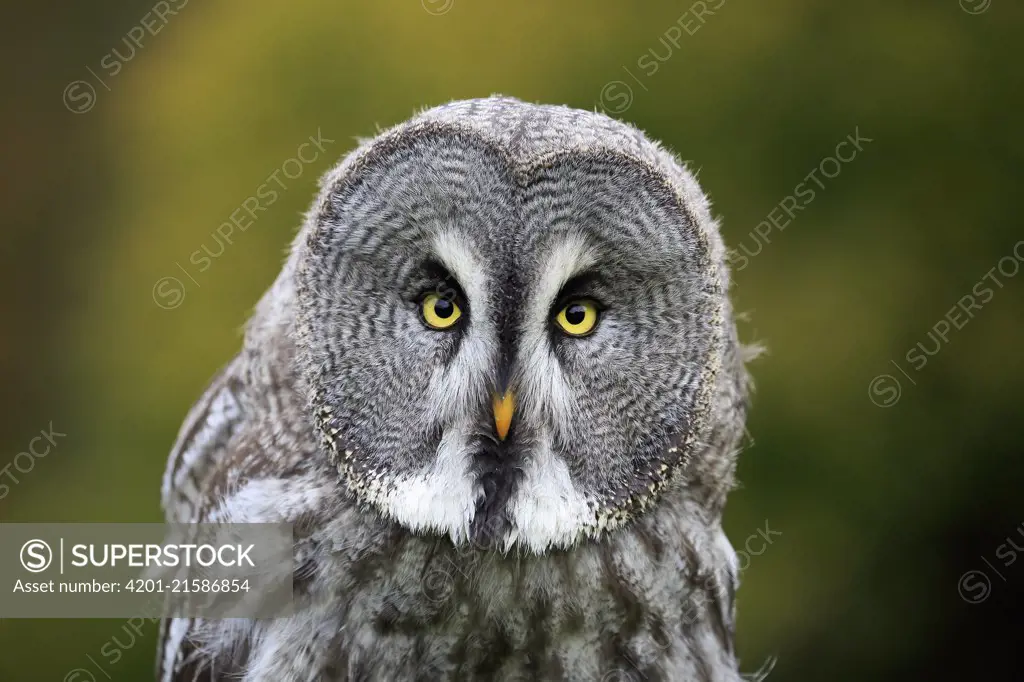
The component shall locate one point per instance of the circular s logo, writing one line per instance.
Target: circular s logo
(975, 6)
(437, 7)
(616, 97)
(884, 390)
(974, 587)
(79, 97)
(79, 675)
(36, 556)
(168, 292)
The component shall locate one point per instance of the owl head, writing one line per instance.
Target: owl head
(513, 326)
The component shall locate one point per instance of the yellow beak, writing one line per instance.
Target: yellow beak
(503, 409)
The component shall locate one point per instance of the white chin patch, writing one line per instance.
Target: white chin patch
(440, 499)
(546, 510)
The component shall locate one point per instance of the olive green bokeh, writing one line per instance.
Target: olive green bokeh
(875, 512)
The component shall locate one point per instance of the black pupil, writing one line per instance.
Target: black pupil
(575, 314)
(443, 308)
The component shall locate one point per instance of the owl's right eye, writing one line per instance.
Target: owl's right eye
(578, 317)
(439, 312)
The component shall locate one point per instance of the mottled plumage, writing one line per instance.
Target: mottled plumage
(587, 545)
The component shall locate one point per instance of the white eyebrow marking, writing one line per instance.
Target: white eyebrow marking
(457, 256)
(569, 257)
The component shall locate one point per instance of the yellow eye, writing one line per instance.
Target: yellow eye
(577, 318)
(440, 313)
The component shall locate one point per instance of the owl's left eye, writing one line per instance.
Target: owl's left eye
(578, 318)
(439, 312)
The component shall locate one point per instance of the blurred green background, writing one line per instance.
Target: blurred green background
(881, 510)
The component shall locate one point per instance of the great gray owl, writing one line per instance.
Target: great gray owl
(498, 391)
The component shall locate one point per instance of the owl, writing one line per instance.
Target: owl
(498, 393)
